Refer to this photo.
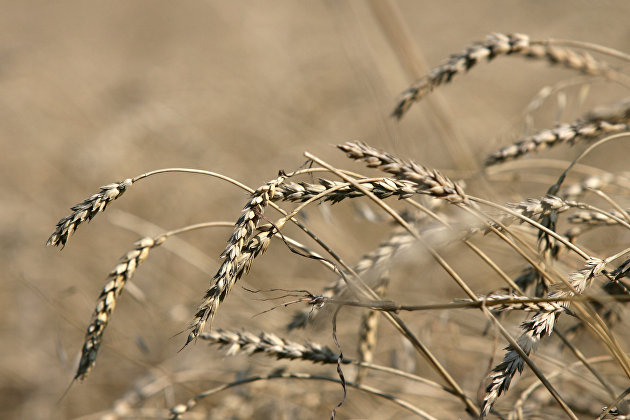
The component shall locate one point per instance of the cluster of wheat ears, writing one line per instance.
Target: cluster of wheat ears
(547, 288)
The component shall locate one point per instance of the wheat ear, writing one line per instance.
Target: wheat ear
(495, 45)
(590, 127)
(540, 325)
(86, 210)
(595, 218)
(241, 249)
(425, 180)
(106, 303)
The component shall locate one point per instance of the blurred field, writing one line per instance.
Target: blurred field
(95, 92)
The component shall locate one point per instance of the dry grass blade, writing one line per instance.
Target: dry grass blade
(590, 127)
(106, 303)
(495, 45)
(86, 210)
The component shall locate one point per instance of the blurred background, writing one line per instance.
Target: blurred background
(95, 92)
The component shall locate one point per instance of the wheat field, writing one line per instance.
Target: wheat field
(380, 209)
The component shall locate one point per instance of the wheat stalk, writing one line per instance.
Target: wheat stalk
(180, 409)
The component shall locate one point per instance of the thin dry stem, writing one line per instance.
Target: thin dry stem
(181, 409)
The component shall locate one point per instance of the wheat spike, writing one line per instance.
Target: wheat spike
(540, 325)
(590, 127)
(86, 210)
(426, 181)
(106, 303)
(495, 45)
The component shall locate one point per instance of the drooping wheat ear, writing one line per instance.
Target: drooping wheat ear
(540, 325)
(383, 188)
(497, 44)
(229, 273)
(590, 127)
(594, 218)
(106, 303)
(595, 182)
(368, 330)
(426, 181)
(86, 210)
(399, 240)
(242, 247)
(234, 342)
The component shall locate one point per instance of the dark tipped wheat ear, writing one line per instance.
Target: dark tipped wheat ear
(239, 253)
(86, 210)
(495, 45)
(117, 279)
(107, 301)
